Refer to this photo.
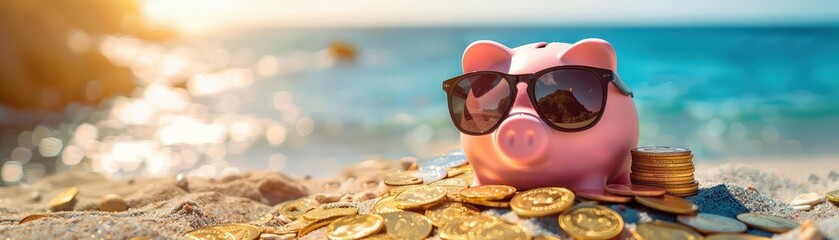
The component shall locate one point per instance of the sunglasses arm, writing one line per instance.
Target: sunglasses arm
(621, 85)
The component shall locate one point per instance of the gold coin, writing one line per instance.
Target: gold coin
(501, 231)
(488, 192)
(603, 196)
(832, 196)
(407, 225)
(668, 203)
(663, 167)
(545, 237)
(296, 208)
(264, 219)
(386, 205)
(663, 158)
(633, 190)
(542, 201)
(459, 228)
(448, 211)
(64, 200)
(657, 174)
(451, 172)
(453, 192)
(662, 179)
(467, 176)
(141, 238)
(665, 185)
(209, 233)
(735, 236)
(683, 194)
(403, 178)
(380, 236)
(767, 222)
(660, 151)
(652, 173)
(591, 222)
(670, 184)
(459, 170)
(488, 203)
(450, 181)
(665, 164)
(645, 168)
(293, 226)
(354, 227)
(323, 213)
(420, 196)
(664, 230)
(240, 230)
(395, 190)
(682, 190)
(661, 175)
(234, 231)
(32, 217)
(712, 223)
(314, 225)
(662, 184)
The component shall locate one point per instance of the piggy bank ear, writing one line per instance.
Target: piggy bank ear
(486, 55)
(593, 52)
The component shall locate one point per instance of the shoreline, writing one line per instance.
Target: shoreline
(794, 167)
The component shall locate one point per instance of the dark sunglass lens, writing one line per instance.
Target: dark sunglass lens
(569, 98)
(479, 101)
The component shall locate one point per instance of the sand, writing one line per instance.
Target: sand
(160, 209)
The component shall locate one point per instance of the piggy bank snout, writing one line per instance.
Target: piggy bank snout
(523, 138)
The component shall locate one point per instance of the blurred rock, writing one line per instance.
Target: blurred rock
(182, 182)
(112, 203)
(327, 197)
(266, 187)
(277, 188)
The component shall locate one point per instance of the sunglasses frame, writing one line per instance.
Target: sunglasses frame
(604, 75)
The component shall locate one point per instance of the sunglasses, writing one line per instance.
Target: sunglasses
(568, 98)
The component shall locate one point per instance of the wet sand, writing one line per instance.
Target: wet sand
(163, 208)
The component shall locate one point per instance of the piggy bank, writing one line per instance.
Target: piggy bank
(544, 114)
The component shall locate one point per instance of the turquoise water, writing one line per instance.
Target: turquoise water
(274, 99)
(724, 92)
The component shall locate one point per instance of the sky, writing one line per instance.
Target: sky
(207, 16)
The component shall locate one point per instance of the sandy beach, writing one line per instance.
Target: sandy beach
(164, 208)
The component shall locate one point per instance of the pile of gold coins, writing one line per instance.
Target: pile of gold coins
(666, 167)
(415, 208)
(421, 202)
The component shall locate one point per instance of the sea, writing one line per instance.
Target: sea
(280, 99)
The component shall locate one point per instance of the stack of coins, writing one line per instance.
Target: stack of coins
(670, 168)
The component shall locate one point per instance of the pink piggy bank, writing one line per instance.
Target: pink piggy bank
(544, 114)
